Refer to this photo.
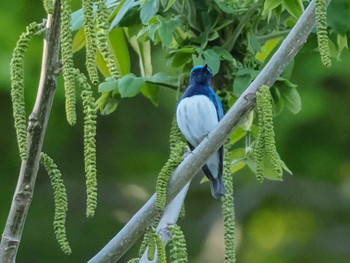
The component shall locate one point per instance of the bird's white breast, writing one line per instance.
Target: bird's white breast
(196, 117)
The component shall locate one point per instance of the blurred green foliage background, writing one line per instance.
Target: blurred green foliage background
(305, 218)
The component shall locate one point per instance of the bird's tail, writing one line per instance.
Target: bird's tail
(213, 169)
(216, 184)
(217, 187)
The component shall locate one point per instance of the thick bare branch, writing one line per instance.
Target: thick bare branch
(36, 131)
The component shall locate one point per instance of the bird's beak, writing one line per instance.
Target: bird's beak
(205, 67)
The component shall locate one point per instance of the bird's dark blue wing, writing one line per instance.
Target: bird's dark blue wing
(217, 103)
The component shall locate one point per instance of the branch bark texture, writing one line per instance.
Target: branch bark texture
(36, 131)
(132, 231)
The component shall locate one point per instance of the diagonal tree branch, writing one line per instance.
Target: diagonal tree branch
(132, 231)
(36, 131)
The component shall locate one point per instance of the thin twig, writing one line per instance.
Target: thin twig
(131, 232)
(272, 36)
(36, 131)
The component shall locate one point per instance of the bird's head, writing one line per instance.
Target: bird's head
(201, 75)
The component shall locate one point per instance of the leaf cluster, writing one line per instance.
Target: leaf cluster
(233, 37)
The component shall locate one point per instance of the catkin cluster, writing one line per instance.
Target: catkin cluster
(67, 61)
(17, 87)
(265, 143)
(175, 158)
(61, 204)
(102, 38)
(322, 35)
(90, 35)
(154, 244)
(228, 211)
(49, 6)
(90, 113)
(178, 251)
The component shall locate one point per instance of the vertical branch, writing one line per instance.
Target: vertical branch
(36, 131)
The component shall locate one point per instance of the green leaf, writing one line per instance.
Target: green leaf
(110, 84)
(151, 92)
(294, 7)
(254, 130)
(342, 42)
(121, 11)
(237, 154)
(269, 5)
(120, 49)
(269, 172)
(247, 122)
(79, 40)
(149, 9)
(278, 104)
(253, 44)
(212, 59)
(169, 5)
(224, 54)
(107, 103)
(236, 166)
(165, 31)
(197, 60)
(101, 65)
(181, 59)
(161, 78)
(241, 82)
(130, 85)
(109, 107)
(266, 50)
(146, 59)
(77, 20)
(143, 50)
(226, 6)
(291, 98)
(237, 134)
(131, 18)
(338, 16)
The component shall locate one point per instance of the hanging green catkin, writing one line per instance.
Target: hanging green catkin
(61, 204)
(102, 38)
(49, 6)
(182, 211)
(161, 255)
(151, 245)
(17, 87)
(322, 35)
(177, 147)
(266, 144)
(67, 61)
(259, 156)
(90, 36)
(144, 242)
(178, 251)
(228, 211)
(90, 113)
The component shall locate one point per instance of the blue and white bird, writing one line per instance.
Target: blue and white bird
(198, 112)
